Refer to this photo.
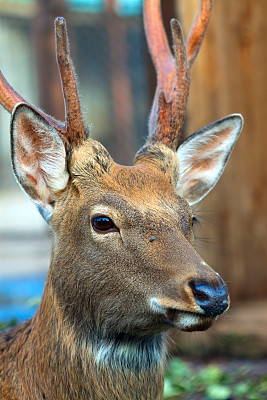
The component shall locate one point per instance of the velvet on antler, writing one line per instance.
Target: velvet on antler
(74, 126)
(171, 94)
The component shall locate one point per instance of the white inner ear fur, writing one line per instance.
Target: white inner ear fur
(38, 155)
(203, 157)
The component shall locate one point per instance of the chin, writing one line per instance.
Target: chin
(191, 322)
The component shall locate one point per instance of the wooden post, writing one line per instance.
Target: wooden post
(229, 75)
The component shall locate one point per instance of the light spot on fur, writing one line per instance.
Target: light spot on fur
(187, 320)
(131, 353)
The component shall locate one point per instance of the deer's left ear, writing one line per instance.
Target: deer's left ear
(203, 157)
(38, 157)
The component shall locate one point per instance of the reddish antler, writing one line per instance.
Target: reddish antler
(73, 131)
(170, 99)
(198, 30)
(172, 105)
(9, 98)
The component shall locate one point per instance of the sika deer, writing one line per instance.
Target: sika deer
(123, 267)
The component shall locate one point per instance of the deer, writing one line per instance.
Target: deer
(124, 271)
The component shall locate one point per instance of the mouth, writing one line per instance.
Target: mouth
(188, 321)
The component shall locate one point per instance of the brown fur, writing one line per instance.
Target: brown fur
(93, 295)
(111, 296)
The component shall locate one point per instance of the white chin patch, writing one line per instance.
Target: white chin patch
(184, 320)
(187, 321)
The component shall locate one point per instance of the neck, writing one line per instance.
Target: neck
(77, 364)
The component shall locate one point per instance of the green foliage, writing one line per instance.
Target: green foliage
(212, 383)
(6, 325)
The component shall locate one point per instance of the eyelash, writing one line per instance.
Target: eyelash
(195, 221)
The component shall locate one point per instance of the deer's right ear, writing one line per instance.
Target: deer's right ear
(38, 157)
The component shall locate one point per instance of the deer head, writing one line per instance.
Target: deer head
(123, 260)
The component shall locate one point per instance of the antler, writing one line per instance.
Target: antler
(9, 98)
(75, 131)
(72, 131)
(198, 30)
(170, 99)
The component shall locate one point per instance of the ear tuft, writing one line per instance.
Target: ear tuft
(38, 156)
(203, 157)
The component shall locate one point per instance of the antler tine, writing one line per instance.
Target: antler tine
(75, 131)
(170, 99)
(9, 98)
(172, 73)
(170, 114)
(198, 30)
(161, 55)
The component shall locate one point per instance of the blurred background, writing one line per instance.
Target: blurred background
(117, 83)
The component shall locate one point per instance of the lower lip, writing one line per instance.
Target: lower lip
(188, 321)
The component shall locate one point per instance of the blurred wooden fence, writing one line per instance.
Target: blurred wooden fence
(230, 75)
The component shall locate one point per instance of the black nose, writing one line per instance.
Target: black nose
(213, 300)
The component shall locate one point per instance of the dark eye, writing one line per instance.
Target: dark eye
(103, 224)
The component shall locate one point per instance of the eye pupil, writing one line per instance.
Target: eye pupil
(103, 224)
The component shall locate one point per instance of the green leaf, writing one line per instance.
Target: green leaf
(241, 388)
(169, 389)
(211, 375)
(6, 325)
(179, 368)
(218, 392)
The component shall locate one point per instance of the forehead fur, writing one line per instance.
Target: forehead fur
(91, 157)
(139, 193)
(161, 157)
(156, 168)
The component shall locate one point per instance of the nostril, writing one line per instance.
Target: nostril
(199, 295)
(212, 300)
